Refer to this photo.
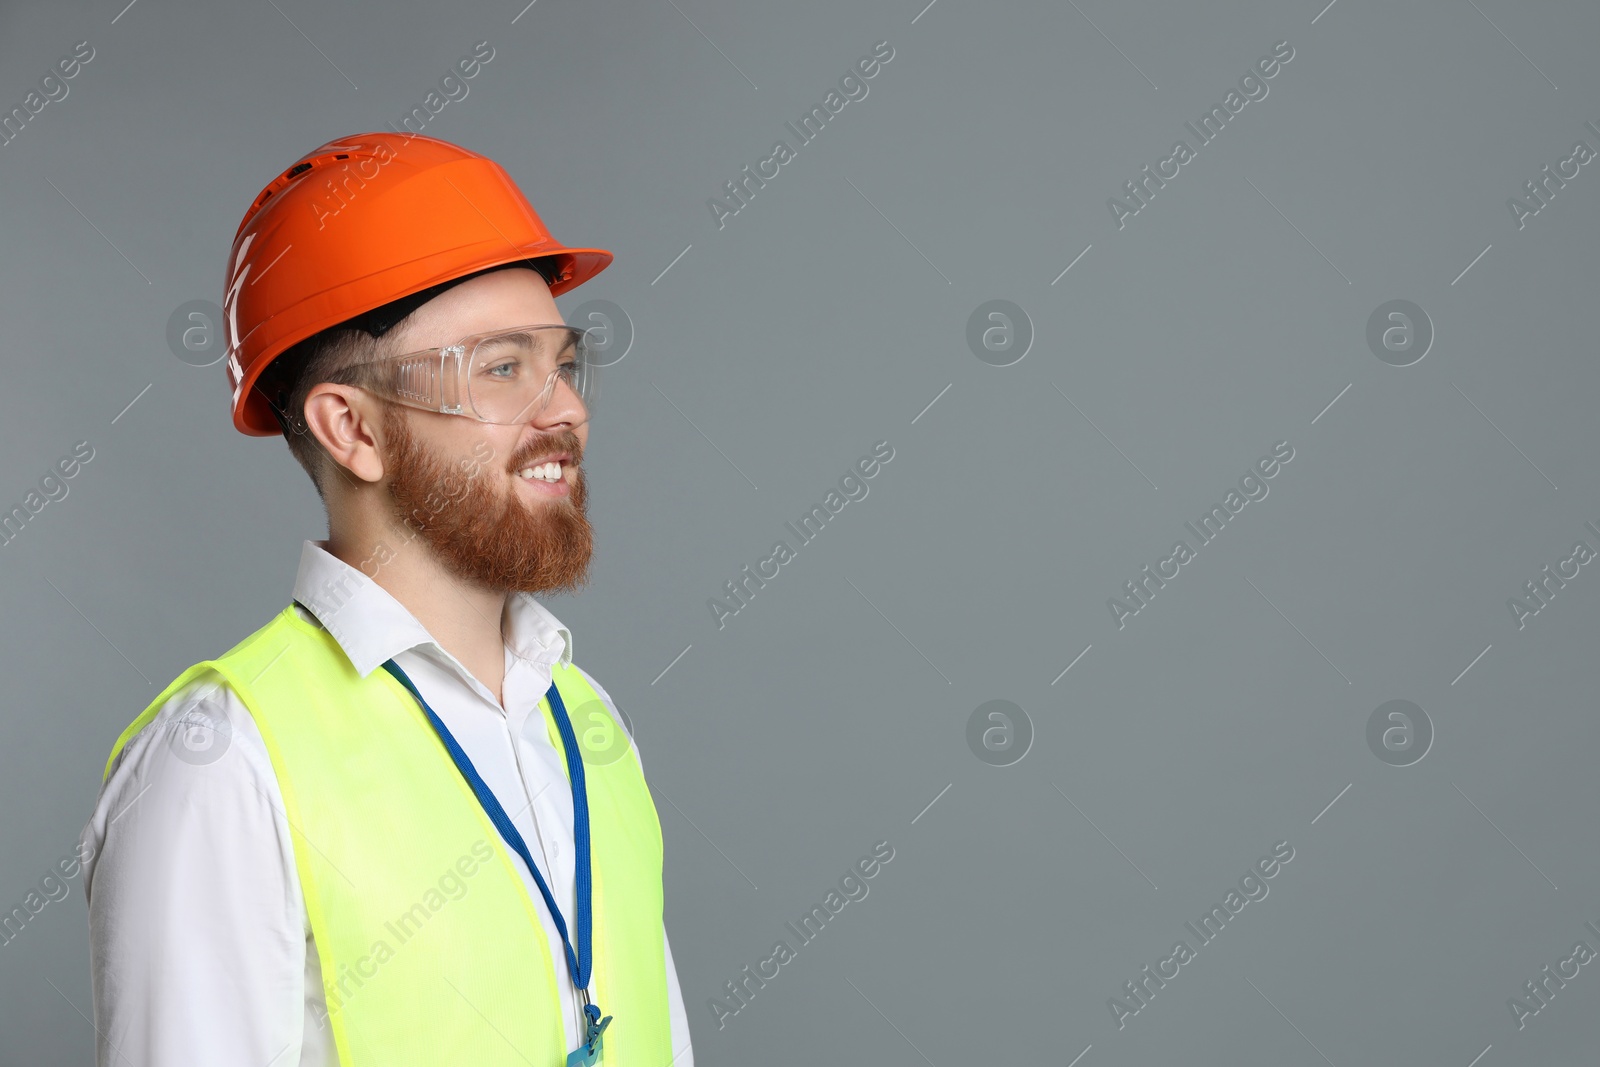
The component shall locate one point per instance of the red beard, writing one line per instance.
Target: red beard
(485, 532)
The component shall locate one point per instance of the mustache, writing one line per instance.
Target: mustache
(564, 441)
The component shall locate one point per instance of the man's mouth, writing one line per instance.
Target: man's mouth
(548, 469)
(543, 472)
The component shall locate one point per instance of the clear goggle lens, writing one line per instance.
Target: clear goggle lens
(507, 377)
(513, 376)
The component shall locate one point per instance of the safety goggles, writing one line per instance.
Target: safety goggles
(505, 377)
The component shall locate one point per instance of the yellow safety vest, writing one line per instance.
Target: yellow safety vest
(432, 950)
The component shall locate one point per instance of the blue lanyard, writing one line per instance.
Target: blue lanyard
(579, 963)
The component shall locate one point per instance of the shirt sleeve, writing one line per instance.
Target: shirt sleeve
(197, 932)
(682, 1047)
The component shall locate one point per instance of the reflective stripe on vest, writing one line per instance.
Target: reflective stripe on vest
(432, 949)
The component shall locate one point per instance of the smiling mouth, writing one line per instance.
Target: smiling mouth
(549, 471)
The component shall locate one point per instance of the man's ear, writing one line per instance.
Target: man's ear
(345, 421)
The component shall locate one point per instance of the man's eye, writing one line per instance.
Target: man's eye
(509, 365)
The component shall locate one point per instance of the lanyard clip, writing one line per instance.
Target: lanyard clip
(588, 1052)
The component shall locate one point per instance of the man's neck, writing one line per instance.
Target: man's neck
(464, 618)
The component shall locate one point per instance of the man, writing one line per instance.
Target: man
(396, 825)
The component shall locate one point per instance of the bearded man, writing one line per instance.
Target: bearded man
(396, 825)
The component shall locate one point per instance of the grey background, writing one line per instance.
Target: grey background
(826, 316)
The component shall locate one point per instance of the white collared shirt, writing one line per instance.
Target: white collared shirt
(200, 948)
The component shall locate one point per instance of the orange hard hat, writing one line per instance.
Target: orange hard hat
(358, 223)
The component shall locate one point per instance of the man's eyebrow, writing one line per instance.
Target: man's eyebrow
(527, 337)
(520, 337)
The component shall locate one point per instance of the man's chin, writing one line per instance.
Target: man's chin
(505, 538)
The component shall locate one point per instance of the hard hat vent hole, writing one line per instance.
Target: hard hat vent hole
(298, 169)
(341, 157)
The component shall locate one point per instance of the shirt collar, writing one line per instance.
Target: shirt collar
(371, 626)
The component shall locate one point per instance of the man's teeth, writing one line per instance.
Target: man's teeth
(545, 472)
